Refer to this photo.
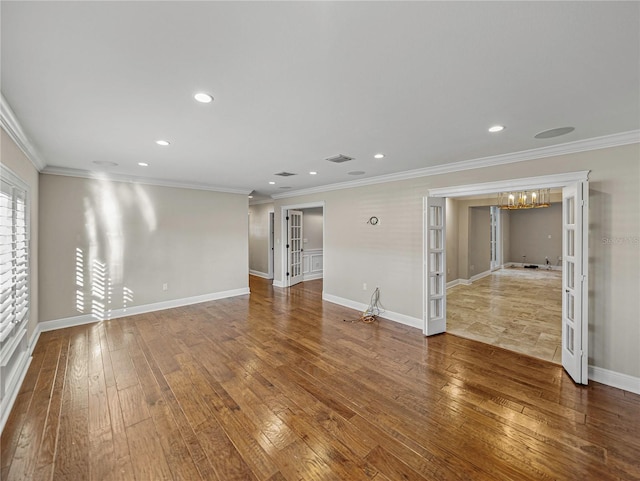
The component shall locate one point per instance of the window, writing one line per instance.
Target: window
(14, 262)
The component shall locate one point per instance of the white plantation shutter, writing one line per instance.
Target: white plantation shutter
(14, 259)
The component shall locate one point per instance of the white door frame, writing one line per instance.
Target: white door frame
(527, 183)
(496, 239)
(283, 237)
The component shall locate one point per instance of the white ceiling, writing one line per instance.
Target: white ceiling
(296, 82)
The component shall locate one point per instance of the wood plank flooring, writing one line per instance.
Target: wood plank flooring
(275, 386)
(515, 308)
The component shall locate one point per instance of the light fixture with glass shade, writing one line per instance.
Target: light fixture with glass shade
(524, 199)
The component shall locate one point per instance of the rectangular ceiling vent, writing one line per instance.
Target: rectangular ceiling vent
(285, 174)
(340, 158)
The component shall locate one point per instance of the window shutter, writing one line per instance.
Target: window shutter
(14, 259)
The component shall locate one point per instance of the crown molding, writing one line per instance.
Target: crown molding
(13, 129)
(607, 141)
(87, 174)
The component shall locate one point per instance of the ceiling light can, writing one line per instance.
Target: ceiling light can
(203, 98)
(163, 143)
(496, 128)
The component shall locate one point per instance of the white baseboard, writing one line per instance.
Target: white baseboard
(311, 276)
(358, 306)
(13, 390)
(542, 267)
(277, 283)
(133, 310)
(264, 275)
(615, 379)
(453, 283)
(477, 277)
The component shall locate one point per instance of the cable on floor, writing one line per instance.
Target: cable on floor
(375, 308)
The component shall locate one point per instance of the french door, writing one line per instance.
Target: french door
(435, 266)
(574, 280)
(294, 247)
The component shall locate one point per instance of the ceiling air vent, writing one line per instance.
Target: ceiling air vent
(284, 174)
(340, 158)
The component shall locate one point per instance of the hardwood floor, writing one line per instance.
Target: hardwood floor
(275, 386)
(515, 308)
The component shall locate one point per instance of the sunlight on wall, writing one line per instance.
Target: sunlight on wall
(100, 267)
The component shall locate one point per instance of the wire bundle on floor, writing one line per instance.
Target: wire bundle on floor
(375, 308)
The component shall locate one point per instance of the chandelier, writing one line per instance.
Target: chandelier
(524, 199)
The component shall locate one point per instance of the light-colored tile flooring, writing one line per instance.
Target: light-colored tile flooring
(514, 308)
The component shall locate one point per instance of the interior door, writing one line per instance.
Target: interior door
(575, 224)
(294, 247)
(435, 267)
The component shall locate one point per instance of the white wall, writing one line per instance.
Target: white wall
(536, 233)
(132, 239)
(479, 240)
(312, 227)
(390, 254)
(259, 237)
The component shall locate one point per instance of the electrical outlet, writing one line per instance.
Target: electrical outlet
(165, 287)
(364, 286)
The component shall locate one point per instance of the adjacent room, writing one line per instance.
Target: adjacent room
(512, 296)
(263, 240)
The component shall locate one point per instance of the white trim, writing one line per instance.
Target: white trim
(87, 174)
(278, 283)
(390, 315)
(52, 325)
(12, 391)
(614, 140)
(543, 181)
(453, 283)
(264, 275)
(477, 277)
(12, 127)
(615, 379)
(312, 276)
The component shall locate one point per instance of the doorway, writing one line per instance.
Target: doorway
(302, 246)
(574, 259)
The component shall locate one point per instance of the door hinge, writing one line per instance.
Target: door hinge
(287, 274)
(287, 246)
(287, 217)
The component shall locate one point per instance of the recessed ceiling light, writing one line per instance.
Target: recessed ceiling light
(356, 172)
(105, 163)
(203, 97)
(164, 143)
(312, 173)
(379, 156)
(250, 197)
(143, 164)
(496, 128)
(272, 183)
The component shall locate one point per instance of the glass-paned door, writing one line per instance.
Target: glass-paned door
(574, 281)
(435, 266)
(295, 249)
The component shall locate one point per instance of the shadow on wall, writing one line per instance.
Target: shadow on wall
(99, 265)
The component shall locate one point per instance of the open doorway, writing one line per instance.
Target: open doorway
(575, 294)
(302, 251)
(513, 296)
